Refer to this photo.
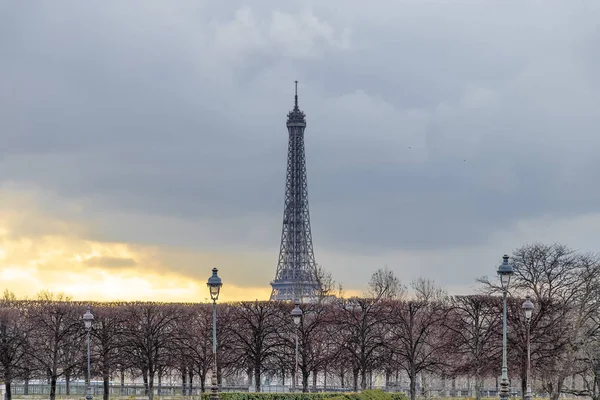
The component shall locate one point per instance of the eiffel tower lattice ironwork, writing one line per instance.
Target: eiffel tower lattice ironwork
(296, 277)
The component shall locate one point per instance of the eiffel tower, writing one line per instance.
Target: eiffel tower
(296, 276)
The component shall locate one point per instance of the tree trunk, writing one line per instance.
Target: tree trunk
(453, 392)
(219, 375)
(150, 384)
(497, 384)
(305, 374)
(257, 378)
(469, 390)
(355, 376)
(53, 387)
(183, 382)
(8, 388)
(444, 394)
(191, 381)
(363, 378)
(370, 379)
(412, 376)
(105, 383)
(249, 373)
(315, 375)
(325, 379)
(388, 377)
(122, 380)
(202, 377)
(159, 381)
(145, 378)
(554, 395)
(478, 384)
(68, 383)
(26, 388)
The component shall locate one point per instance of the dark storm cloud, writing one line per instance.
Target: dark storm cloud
(428, 125)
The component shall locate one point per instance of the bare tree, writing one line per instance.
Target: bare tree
(56, 337)
(327, 285)
(361, 336)
(108, 340)
(556, 275)
(384, 285)
(197, 345)
(589, 371)
(14, 333)
(552, 274)
(585, 329)
(417, 331)
(475, 322)
(258, 337)
(315, 342)
(151, 332)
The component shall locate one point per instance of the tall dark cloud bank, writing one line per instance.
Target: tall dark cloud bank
(432, 128)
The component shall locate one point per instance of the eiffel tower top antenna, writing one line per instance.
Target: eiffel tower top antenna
(296, 96)
(296, 116)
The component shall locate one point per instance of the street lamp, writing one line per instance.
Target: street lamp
(598, 371)
(297, 316)
(214, 285)
(528, 308)
(505, 271)
(88, 318)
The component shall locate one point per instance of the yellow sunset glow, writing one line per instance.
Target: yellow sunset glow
(63, 265)
(43, 252)
(64, 261)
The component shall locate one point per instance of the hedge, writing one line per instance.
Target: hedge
(365, 395)
(369, 395)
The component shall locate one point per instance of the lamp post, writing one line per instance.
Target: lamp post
(598, 371)
(528, 308)
(214, 285)
(297, 316)
(88, 318)
(505, 271)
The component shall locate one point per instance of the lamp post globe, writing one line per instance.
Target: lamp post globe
(528, 309)
(505, 271)
(214, 286)
(88, 319)
(297, 314)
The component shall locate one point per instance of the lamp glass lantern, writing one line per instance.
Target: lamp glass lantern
(297, 314)
(88, 318)
(528, 307)
(505, 271)
(214, 284)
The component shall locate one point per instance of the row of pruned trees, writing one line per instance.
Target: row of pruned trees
(392, 328)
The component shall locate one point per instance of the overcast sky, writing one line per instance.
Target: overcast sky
(144, 142)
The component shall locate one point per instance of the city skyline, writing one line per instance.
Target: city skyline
(143, 145)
